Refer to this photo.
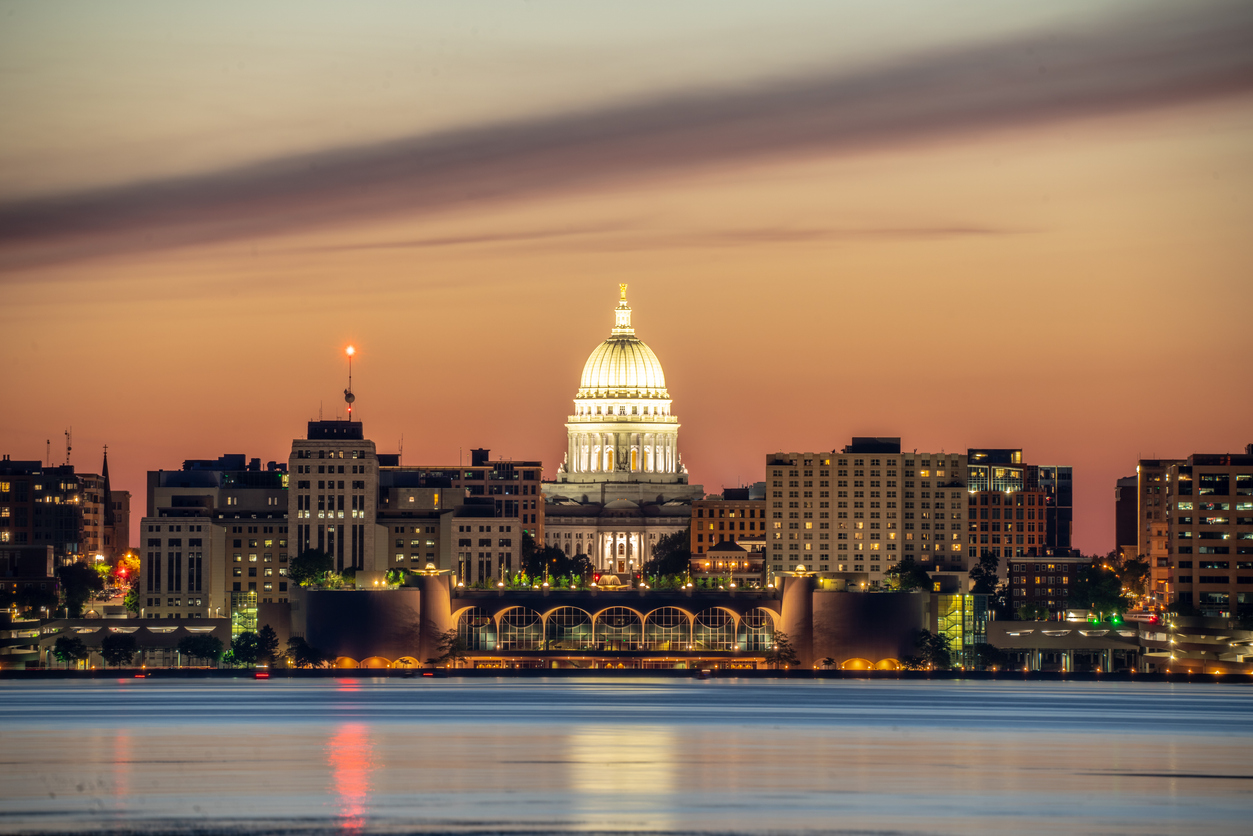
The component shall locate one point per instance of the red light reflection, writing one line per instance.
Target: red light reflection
(350, 756)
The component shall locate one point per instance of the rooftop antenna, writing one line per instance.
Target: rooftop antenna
(48, 453)
(401, 458)
(69, 447)
(349, 397)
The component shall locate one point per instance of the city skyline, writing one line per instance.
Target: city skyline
(1031, 268)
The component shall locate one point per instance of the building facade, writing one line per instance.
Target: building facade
(41, 506)
(1209, 509)
(1153, 525)
(214, 542)
(333, 503)
(731, 518)
(863, 508)
(1046, 581)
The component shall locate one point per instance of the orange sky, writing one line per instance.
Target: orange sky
(1035, 266)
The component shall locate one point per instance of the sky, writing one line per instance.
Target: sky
(967, 224)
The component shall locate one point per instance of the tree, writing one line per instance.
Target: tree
(550, 563)
(1033, 612)
(989, 656)
(1099, 588)
(126, 572)
(782, 653)
(304, 655)
(828, 662)
(70, 649)
(78, 583)
(310, 566)
(267, 643)
(1133, 572)
(985, 575)
(33, 599)
(672, 555)
(118, 649)
(908, 575)
(934, 652)
(452, 648)
(131, 601)
(244, 649)
(202, 646)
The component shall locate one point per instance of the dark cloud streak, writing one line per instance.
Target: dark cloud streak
(1144, 60)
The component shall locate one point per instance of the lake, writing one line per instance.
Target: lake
(624, 755)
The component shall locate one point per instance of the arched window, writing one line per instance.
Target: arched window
(667, 629)
(521, 628)
(714, 630)
(568, 628)
(756, 632)
(476, 629)
(618, 628)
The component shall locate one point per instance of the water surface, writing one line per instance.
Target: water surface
(630, 755)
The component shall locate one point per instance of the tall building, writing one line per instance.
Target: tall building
(1056, 482)
(1153, 526)
(863, 508)
(1209, 509)
(41, 506)
(214, 540)
(622, 485)
(333, 502)
(1126, 536)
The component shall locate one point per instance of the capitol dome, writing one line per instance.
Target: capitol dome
(622, 367)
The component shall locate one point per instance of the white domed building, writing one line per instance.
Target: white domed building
(622, 460)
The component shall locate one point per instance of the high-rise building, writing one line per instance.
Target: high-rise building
(41, 506)
(861, 509)
(1153, 526)
(1056, 482)
(1209, 509)
(335, 473)
(1126, 534)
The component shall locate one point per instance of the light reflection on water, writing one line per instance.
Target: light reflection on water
(363, 756)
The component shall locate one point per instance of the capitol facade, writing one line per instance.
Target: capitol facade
(623, 484)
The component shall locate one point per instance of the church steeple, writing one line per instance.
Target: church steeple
(109, 517)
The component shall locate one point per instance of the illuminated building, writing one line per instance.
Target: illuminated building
(1153, 533)
(1046, 581)
(863, 508)
(731, 517)
(468, 518)
(335, 478)
(1208, 504)
(1007, 524)
(214, 540)
(635, 628)
(40, 506)
(622, 485)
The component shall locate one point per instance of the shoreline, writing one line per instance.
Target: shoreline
(576, 673)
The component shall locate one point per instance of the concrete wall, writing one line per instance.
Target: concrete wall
(362, 623)
(872, 626)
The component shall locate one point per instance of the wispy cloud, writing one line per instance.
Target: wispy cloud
(1143, 60)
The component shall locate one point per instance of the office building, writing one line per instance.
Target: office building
(1208, 503)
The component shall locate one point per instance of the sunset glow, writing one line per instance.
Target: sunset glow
(992, 227)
